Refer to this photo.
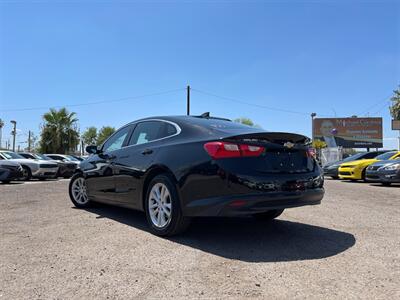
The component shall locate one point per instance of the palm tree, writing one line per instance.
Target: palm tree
(395, 108)
(59, 132)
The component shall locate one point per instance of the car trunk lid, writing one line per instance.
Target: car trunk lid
(283, 152)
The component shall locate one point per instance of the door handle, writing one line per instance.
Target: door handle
(147, 151)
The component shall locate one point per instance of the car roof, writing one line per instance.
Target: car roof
(204, 121)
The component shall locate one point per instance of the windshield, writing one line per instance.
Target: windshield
(11, 155)
(41, 156)
(71, 158)
(386, 156)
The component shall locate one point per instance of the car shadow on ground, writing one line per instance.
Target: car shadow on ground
(393, 185)
(376, 184)
(247, 239)
(12, 183)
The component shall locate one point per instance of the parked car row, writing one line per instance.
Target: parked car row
(376, 166)
(25, 166)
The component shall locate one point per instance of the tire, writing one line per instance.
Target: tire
(269, 215)
(335, 177)
(27, 174)
(163, 208)
(77, 192)
(363, 176)
(386, 183)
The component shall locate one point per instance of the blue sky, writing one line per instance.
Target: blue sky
(337, 58)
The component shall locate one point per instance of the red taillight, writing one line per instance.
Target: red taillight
(228, 150)
(248, 150)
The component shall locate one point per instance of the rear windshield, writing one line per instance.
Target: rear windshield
(227, 126)
(41, 156)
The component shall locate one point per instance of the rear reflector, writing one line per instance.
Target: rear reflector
(228, 150)
(237, 203)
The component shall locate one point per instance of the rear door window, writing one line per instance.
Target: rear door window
(150, 131)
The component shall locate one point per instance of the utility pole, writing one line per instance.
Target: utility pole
(188, 101)
(14, 133)
(1, 132)
(29, 141)
(399, 140)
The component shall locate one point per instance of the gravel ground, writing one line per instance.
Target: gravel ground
(347, 247)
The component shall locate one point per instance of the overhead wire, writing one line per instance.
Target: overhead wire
(251, 104)
(94, 102)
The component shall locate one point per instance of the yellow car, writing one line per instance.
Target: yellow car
(355, 170)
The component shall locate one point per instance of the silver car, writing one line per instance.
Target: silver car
(32, 168)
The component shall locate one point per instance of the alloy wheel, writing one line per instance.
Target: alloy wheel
(25, 174)
(79, 191)
(160, 205)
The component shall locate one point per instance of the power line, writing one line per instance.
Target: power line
(251, 104)
(385, 105)
(375, 104)
(95, 102)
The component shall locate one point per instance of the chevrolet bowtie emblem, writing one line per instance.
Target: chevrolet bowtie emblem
(288, 145)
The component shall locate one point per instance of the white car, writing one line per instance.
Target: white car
(64, 158)
(32, 168)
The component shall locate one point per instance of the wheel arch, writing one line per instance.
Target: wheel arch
(27, 166)
(150, 174)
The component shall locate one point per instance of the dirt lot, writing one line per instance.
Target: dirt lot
(348, 247)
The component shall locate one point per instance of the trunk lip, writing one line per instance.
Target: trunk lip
(271, 137)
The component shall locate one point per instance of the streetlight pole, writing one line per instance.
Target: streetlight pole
(188, 100)
(14, 132)
(29, 141)
(313, 115)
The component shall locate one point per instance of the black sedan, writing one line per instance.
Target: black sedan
(9, 171)
(332, 169)
(385, 172)
(175, 168)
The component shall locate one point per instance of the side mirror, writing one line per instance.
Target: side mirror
(92, 149)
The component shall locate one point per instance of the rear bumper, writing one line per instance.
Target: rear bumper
(228, 188)
(236, 205)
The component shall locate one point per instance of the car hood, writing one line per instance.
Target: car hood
(9, 163)
(32, 161)
(359, 162)
(384, 163)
